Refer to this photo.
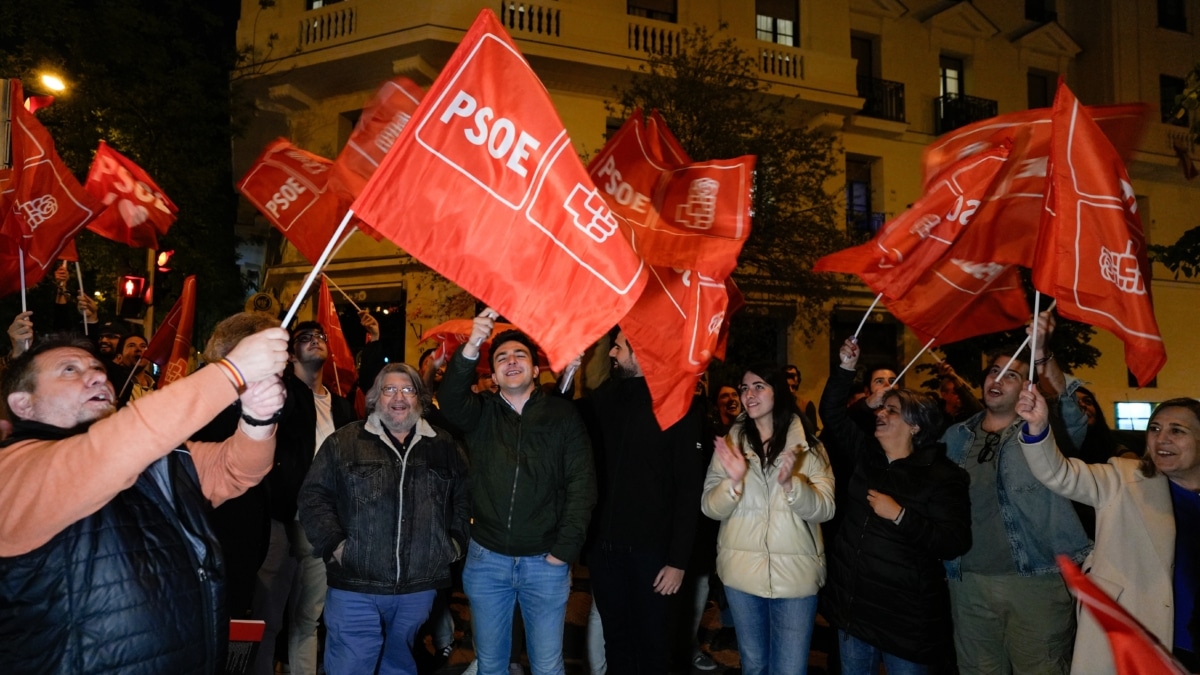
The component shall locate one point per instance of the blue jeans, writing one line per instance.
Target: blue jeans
(773, 633)
(362, 628)
(860, 658)
(494, 583)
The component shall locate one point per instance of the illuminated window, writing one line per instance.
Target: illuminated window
(1133, 415)
(776, 21)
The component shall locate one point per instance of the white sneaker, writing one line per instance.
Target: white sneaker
(703, 662)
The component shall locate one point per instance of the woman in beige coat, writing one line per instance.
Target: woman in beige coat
(770, 491)
(1140, 507)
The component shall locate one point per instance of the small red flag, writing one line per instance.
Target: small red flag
(681, 214)
(484, 186)
(377, 129)
(171, 347)
(289, 186)
(674, 329)
(1091, 255)
(137, 211)
(1135, 650)
(909, 244)
(48, 205)
(339, 368)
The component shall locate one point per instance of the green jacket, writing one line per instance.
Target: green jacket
(532, 478)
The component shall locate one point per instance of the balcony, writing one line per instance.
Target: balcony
(884, 98)
(957, 110)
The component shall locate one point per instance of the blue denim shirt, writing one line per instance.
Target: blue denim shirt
(1040, 524)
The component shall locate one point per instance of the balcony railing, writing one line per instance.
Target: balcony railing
(884, 98)
(654, 39)
(957, 110)
(338, 22)
(526, 18)
(784, 63)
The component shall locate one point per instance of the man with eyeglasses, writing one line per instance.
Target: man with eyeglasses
(312, 412)
(385, 507)
(533, 486)
(1011, 610)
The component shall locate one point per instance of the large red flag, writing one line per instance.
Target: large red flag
(48, 205)
(1135, 650)
(377, 129)
(909, 244)
(171, 346)
(1091, 255)
(339, 373)
(688, 215)
(675, 330)
(484, 186)
(137, 210)
(290, 187)
(959, 298)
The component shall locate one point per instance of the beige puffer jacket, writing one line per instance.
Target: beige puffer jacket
(768, 547)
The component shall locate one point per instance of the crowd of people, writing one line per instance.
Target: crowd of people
(134, 523)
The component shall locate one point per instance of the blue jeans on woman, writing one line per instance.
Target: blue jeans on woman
(774, 634)
(861, 658)
(494, 583)
(367, 630)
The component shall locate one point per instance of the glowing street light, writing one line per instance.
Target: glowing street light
(53, 82)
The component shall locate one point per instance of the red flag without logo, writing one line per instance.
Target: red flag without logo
(171, 346)
(339, 371)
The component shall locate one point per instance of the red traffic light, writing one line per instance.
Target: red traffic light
(164, 260)
(130, 298)
(132, 287)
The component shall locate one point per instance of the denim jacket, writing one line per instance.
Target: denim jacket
(1040, 524)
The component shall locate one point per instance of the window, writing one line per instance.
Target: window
(660, 10)
(859, 217)
(1169, 90)
(1172, 15)
(776, 21)
(611, 126)
(1133, 415)
(1040, 11)
(951, 75)
(318, 4)
(1131, 380)
(1041, 88)
(862, 50)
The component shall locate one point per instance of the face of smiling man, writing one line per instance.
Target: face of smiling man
(70, 388)
(398, 407)
(513, 369)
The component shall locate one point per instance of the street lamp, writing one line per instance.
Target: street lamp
(53, 82)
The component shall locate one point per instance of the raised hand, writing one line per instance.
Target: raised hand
(261, 355)
(1031, 407)
(848, 354)
(264, 398)
(481, 329)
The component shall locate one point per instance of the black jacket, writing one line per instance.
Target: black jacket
(136, 587)
(651, 479)
(533, 482)
(400, 506)
(296, 443)
(887, 585)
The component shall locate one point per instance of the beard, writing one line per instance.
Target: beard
(621, 371)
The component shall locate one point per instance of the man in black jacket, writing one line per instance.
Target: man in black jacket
(311, 414)
(533, 486)
(385, 506)
(646, 519)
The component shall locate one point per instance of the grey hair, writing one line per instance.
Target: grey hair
(423, 394)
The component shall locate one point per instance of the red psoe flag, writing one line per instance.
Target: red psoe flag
(171, 346)
(48, 205)
(1091, 254)
(339, 370)
(290, 187)
(484, 187)
(910, 243)
(675, 329)
(1135, 650)
(677, 213)
(960, 298)
(136, 210)
(377, 129)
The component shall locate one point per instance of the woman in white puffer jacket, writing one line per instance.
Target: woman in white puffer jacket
(770, 491)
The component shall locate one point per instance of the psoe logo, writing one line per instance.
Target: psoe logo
(38, 210)
(701, 208)
(1122, 270)
(982, 271)
(591, 215)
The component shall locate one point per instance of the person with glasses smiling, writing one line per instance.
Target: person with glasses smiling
(1012, 612)
(385, 507)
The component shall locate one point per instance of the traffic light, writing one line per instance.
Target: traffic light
(130, 298)
(164, 261)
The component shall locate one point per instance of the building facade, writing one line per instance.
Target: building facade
(887, 77)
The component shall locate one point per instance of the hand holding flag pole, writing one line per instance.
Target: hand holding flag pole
(864, 319)
(1026, 342)
(312, 275)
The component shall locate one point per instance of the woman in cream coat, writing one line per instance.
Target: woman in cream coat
(770, 491)
(1138, 560)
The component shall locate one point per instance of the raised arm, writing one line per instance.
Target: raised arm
(1089, 484)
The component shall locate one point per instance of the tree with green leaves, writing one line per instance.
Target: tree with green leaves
(711, 98)
(151, 77)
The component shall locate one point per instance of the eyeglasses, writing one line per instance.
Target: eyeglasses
(989, 447)
(305, 338)
(392, 390)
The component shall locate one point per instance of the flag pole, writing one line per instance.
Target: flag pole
(312, 275)
(1037, 303)
(914, 360)
(79, 275)
(862, 323)
(1023, 344)
(339, 289)
(21, 271)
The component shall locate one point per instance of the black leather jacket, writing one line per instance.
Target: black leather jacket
(400, 507)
